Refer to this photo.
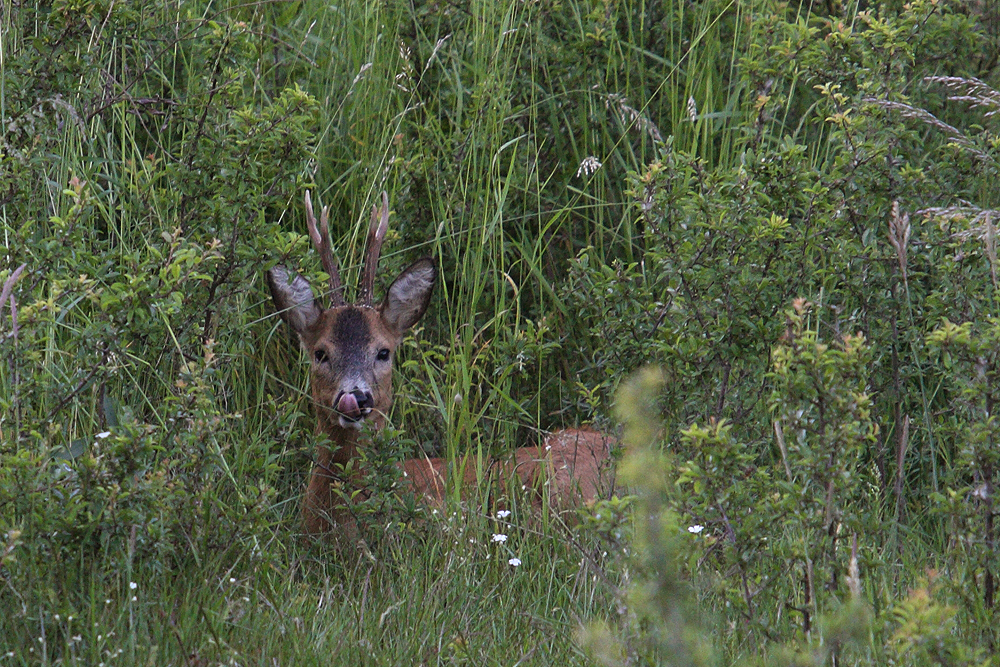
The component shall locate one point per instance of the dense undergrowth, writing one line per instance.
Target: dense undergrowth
(787, 208)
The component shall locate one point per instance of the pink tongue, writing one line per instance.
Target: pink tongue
(348, 406)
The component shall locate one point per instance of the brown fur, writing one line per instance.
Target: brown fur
(571, 467)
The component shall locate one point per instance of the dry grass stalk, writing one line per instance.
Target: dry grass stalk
(853, 571)
(915, 113)
(779, 434)
(981, 227)
(632, 117)
(899, 236)
(971, 90)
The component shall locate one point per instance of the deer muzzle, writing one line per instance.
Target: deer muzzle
(353, 406)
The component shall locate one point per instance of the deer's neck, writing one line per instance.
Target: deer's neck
(344, 443)
(324, 507)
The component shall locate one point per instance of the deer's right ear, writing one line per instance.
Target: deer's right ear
(293, 297)
(409, 296)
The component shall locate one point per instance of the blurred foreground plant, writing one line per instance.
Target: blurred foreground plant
(674, 554)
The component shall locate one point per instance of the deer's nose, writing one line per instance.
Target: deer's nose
(365, 400)
(354, 405)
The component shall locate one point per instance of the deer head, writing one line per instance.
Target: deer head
(351, 346)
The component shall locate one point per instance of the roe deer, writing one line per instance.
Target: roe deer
(351, 350)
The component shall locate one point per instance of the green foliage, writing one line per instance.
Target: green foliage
(970, 355)
(604, 185)
(773, 534)
(847, 139)
(819, 400)
(160, 198)
(658, 621)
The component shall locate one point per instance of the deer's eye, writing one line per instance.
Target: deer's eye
(321, 355)
(383, 354)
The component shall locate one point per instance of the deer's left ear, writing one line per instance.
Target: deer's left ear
(409, 296)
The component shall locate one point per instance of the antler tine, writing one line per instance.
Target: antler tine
(321, 241)
(376, 234)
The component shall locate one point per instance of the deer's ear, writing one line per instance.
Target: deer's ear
(409, 296)
(293, 297)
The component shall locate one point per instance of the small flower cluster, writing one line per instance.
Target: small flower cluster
(500, 538)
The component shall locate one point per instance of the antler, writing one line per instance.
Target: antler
(321, 241)
(376, 234)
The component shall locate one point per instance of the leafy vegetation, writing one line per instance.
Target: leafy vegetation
(788, 209)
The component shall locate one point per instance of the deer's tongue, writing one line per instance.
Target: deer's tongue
(348, 406)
